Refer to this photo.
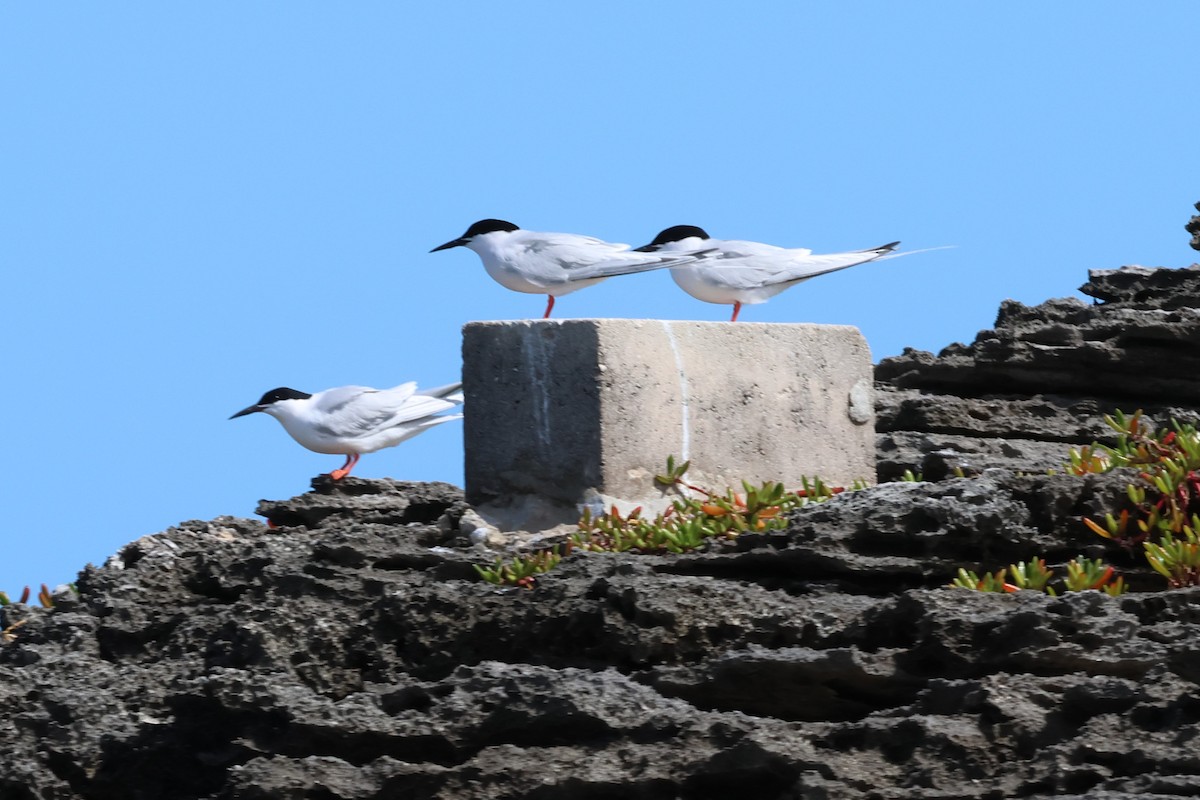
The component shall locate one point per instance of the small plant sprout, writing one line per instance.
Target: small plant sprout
(1137, 443)
(990, 582)
(5, 600)
(1165, 498)
(1086, 461)
(1082, 574)
(1177, 560)
(914, 477)
(1115, 528)
(521, 570)
(1032, 575)
(668, 532)
(674, 475)
(693, 519)
(696, 516)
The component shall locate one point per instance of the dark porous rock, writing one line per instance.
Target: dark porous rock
(1146, 287)
(1193, 227)
(1024, 392)
(353, 654)
(348, 649)
(383, 501)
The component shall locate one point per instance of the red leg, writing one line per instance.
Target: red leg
(351, 460)
(549, 306)
(736, 308)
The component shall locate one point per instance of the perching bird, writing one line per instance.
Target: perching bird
(738, 273)
(553, 264)
(352, 420)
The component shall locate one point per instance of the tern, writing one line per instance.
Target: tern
(553, 264)
(738, 273)
(352, 420)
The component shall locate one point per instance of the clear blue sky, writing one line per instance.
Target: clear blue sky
(203, 201)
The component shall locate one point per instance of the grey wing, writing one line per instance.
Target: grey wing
(354, 411)
(331, 401)
(609, 269)
(801, 268)
(587, 258)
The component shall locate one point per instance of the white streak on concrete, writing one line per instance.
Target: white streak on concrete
(537, 356)
(685, 422)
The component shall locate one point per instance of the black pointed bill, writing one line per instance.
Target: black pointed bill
(452, 243)
(247, 410)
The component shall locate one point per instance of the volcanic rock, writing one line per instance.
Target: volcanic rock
(1193, 227)
(1042, 380)
(354, 653)
(349, 650)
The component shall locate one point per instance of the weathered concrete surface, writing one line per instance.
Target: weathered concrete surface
(565, 408)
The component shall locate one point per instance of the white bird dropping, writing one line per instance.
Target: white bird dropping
(352, 420)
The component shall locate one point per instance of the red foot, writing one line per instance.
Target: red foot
(737, 307)
(549, 306)
(351, 460)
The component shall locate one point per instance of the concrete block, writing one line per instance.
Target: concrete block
(568, 409)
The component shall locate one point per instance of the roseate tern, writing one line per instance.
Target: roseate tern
(352, 420)
(554, 264)
(737, 273)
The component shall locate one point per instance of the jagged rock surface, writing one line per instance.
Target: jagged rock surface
(1193, 227)
(1040, 381)
(354, 654)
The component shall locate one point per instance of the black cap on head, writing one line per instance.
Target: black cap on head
(489, 226)
(477, 229)
(273, 396)
(282, 393)
(676, 233)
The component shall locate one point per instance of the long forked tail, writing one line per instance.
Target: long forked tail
(810, 266)
(451, 392)
(889, 255)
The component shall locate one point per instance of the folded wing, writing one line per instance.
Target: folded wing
(360, 411)
(769, 269)
(587, 258)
